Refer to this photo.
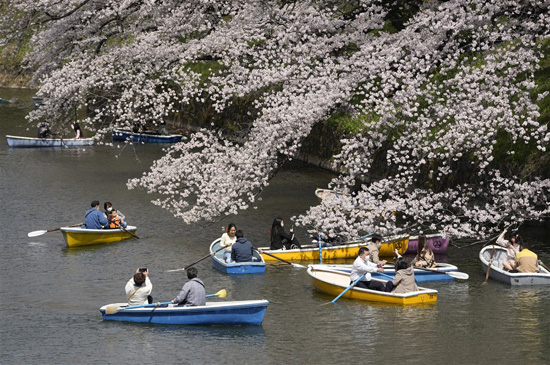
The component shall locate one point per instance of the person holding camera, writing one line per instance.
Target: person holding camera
(139, 287)
(280, 240)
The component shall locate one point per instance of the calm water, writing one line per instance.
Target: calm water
(51, 294)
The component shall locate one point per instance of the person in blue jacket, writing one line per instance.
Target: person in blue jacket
(94, 219)
(242, 250)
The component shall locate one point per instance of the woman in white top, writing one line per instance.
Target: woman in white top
(512, 248)
(227, 240)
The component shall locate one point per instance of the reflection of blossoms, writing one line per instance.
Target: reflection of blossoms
(435, 92)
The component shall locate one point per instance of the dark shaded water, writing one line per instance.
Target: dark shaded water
(51, 294)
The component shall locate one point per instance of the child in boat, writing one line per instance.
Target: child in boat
(425, 256)
(115, 221)
(403, 281)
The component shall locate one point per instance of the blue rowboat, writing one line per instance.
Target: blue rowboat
(144, 137)
(244, 312)
(420, 276)
(252, 267)
(30, 142)
(497, 272)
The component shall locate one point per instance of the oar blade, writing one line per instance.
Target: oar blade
(298, 265)
(458, 275)
(222, 293)
(182, 269)
(113, 308)
(36, 233)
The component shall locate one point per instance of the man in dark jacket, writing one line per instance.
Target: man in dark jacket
(241, 250)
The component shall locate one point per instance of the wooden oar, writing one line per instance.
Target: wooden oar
(489, 266)
(127, 231)
(543, 265)
(196, 262)
(349, 287)
(41, 232)
(113, 308)
(280, 259)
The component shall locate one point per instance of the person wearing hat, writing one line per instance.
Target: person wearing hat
(512, 248)
(374, 249)
(526, 260)
(94, 219)
(362, 265)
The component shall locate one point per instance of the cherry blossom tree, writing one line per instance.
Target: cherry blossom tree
(436, 89)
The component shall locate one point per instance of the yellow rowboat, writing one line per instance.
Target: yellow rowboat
(334, 282)
(349, 251)
(76, 236)
(401, 243)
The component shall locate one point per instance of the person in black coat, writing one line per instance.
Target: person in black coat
(280, 239)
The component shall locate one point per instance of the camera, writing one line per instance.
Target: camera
(142, 269)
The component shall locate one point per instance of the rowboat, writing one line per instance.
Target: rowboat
(30, 142)
(253, 267)
(77, 236)
(334, 282)
(420, 275)
(244, 312)
(437, 242)
(144, 137)
(324, 193)
(497, 272)
(335, 252)
(38, 102)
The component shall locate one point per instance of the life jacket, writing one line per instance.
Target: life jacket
(114, 222)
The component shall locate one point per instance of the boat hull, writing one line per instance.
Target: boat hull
(335, 252)
(246, 312)
(498, 273)
(76, 236)
(335, 282)
(125, 135)
(420, 276)
(30, 142)
(437, 242)
(254, 267)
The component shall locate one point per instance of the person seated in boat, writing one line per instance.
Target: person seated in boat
(512, 248)
(139, 287)
(163, 129)
(108, 208)
(242, 250)
(403, 281)
(425, 257)
(280, 239)
(115, 222)
(44, 131)
(374, 249)
(363, 265)
(77, 131)
(227, 240)
(526, 260)
(192, 293)
(94, 219)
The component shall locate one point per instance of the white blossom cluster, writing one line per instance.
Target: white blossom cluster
(433, 94)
